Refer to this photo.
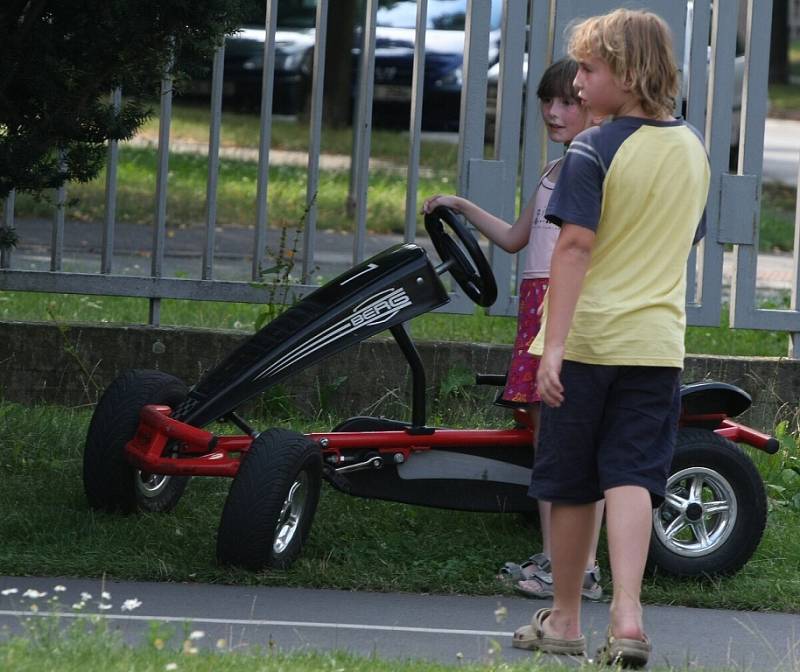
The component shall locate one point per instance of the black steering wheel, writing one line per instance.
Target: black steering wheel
(471, 271)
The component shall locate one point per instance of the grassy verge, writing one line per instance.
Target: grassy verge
(190, 123)
(784, 99)
(778, 206)
(355, 544)
(96, 647)
(287, 185)
(476, 328)
(236, 195)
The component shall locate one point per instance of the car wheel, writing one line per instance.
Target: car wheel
(714, 514)
(111, 483)
(271, 503)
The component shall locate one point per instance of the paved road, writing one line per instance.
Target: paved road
(782, 150)
(404, 625)
(234, 244)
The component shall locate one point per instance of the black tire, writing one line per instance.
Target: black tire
(111, 483)
(692, 538)
(271, 503)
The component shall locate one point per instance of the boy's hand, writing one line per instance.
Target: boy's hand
(430, 204)
(548, 378)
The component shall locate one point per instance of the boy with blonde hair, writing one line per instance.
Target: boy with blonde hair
(612, 339)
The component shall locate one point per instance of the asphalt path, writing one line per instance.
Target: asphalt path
(782, 151)
(396, 625)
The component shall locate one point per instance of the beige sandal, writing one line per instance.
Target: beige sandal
(532, 638)
(624, 652)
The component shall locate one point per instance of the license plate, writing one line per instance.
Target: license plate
(392, 93)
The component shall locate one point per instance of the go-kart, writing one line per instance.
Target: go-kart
(146, 437)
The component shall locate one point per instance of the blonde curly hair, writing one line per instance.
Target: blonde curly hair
(637, 45)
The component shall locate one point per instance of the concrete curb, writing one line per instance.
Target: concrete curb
(71, 364)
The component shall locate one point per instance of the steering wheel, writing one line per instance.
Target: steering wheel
(471, 271)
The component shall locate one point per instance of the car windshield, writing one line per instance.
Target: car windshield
(442, 14)
(291, 14)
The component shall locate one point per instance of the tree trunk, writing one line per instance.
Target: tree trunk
(779, 46)
(337, 112)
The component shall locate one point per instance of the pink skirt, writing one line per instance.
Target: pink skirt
(521, 378)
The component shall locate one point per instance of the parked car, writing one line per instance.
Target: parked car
(394, 59)
(444, 60)
(244, 59)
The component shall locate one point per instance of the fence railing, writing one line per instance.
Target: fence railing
(500, 184)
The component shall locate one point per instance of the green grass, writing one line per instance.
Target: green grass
(784, 99)
(190, 122)
(287, 185)
(475, 328)
(779, 204)
(85, 646)
(236, 195)
(355, 544)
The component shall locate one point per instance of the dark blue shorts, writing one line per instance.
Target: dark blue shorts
(616, 426)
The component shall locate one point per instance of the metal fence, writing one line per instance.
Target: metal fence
(705, 42)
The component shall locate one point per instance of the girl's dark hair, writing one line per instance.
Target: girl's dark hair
(556, 82)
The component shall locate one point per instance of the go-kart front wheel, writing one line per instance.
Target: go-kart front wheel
(111, 483)
(714, 514)
(271, 503)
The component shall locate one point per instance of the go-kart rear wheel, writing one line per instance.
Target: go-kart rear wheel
(111, 483)
(271, 503)
(715, 510)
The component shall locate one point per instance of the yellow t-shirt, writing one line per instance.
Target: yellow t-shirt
(641, 185)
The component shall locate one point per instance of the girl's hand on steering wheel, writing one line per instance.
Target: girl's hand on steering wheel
(430, 204)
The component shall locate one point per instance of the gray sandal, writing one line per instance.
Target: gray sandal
(624, 652)
(540, 585)
(532, 638)
(536, 565)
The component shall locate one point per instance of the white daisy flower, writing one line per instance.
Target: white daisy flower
(9, 591)
(197, 634)
(130, 605)
(33, 594)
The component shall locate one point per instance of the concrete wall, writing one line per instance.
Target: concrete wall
(71, 364)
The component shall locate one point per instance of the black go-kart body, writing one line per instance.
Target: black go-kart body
(146, 437)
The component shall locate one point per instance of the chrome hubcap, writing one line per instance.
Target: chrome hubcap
(151, 485)
(698, 514)
(291, 513)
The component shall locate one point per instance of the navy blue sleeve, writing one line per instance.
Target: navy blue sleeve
(577, 198)
(700, 233)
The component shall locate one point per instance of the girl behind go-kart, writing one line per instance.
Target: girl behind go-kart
(564, 117)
